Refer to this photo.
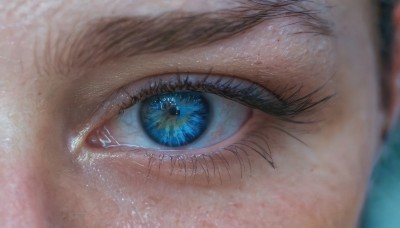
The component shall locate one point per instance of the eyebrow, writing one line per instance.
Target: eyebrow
(110, 39)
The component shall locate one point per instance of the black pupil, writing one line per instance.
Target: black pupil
(174, 111)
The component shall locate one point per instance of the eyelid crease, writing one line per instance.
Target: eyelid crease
(285, 103)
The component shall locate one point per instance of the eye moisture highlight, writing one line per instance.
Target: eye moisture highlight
(198, 125)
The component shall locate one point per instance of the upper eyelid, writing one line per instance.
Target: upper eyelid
(284, 104)
(120, 99)
(286, 108)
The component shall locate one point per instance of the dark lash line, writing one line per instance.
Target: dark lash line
(252, 95)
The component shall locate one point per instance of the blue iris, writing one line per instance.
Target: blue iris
(175, 119)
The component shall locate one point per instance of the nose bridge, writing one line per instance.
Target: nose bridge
(22, 183)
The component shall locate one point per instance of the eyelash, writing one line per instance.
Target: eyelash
(245, 92)
(208, 162)
(251, 95)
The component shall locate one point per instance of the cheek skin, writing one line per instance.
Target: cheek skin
(22, 201)
(267, 197)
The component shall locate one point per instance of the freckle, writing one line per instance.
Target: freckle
(153, 200)
(263, 205)
(205, 223)
(236, 205)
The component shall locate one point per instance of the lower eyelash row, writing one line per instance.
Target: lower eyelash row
(221, 165)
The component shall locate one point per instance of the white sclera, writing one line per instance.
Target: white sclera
(226, 118)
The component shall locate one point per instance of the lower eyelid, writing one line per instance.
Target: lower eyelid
(231, 159)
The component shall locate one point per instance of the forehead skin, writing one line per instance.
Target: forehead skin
(42, 184)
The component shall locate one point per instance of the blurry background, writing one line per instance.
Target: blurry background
(383, 206)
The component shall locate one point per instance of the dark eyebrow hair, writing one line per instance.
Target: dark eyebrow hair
(110, 39)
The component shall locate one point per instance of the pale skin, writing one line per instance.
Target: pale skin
(50, 177)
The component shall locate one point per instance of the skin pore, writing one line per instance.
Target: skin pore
(67, 68)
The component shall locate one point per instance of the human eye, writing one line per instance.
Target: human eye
(182, 120)
(199, 127)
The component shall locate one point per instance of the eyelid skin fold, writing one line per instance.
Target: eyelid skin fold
(273, 110)
(284, 102)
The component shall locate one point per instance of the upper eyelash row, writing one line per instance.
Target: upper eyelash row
(243, 91)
